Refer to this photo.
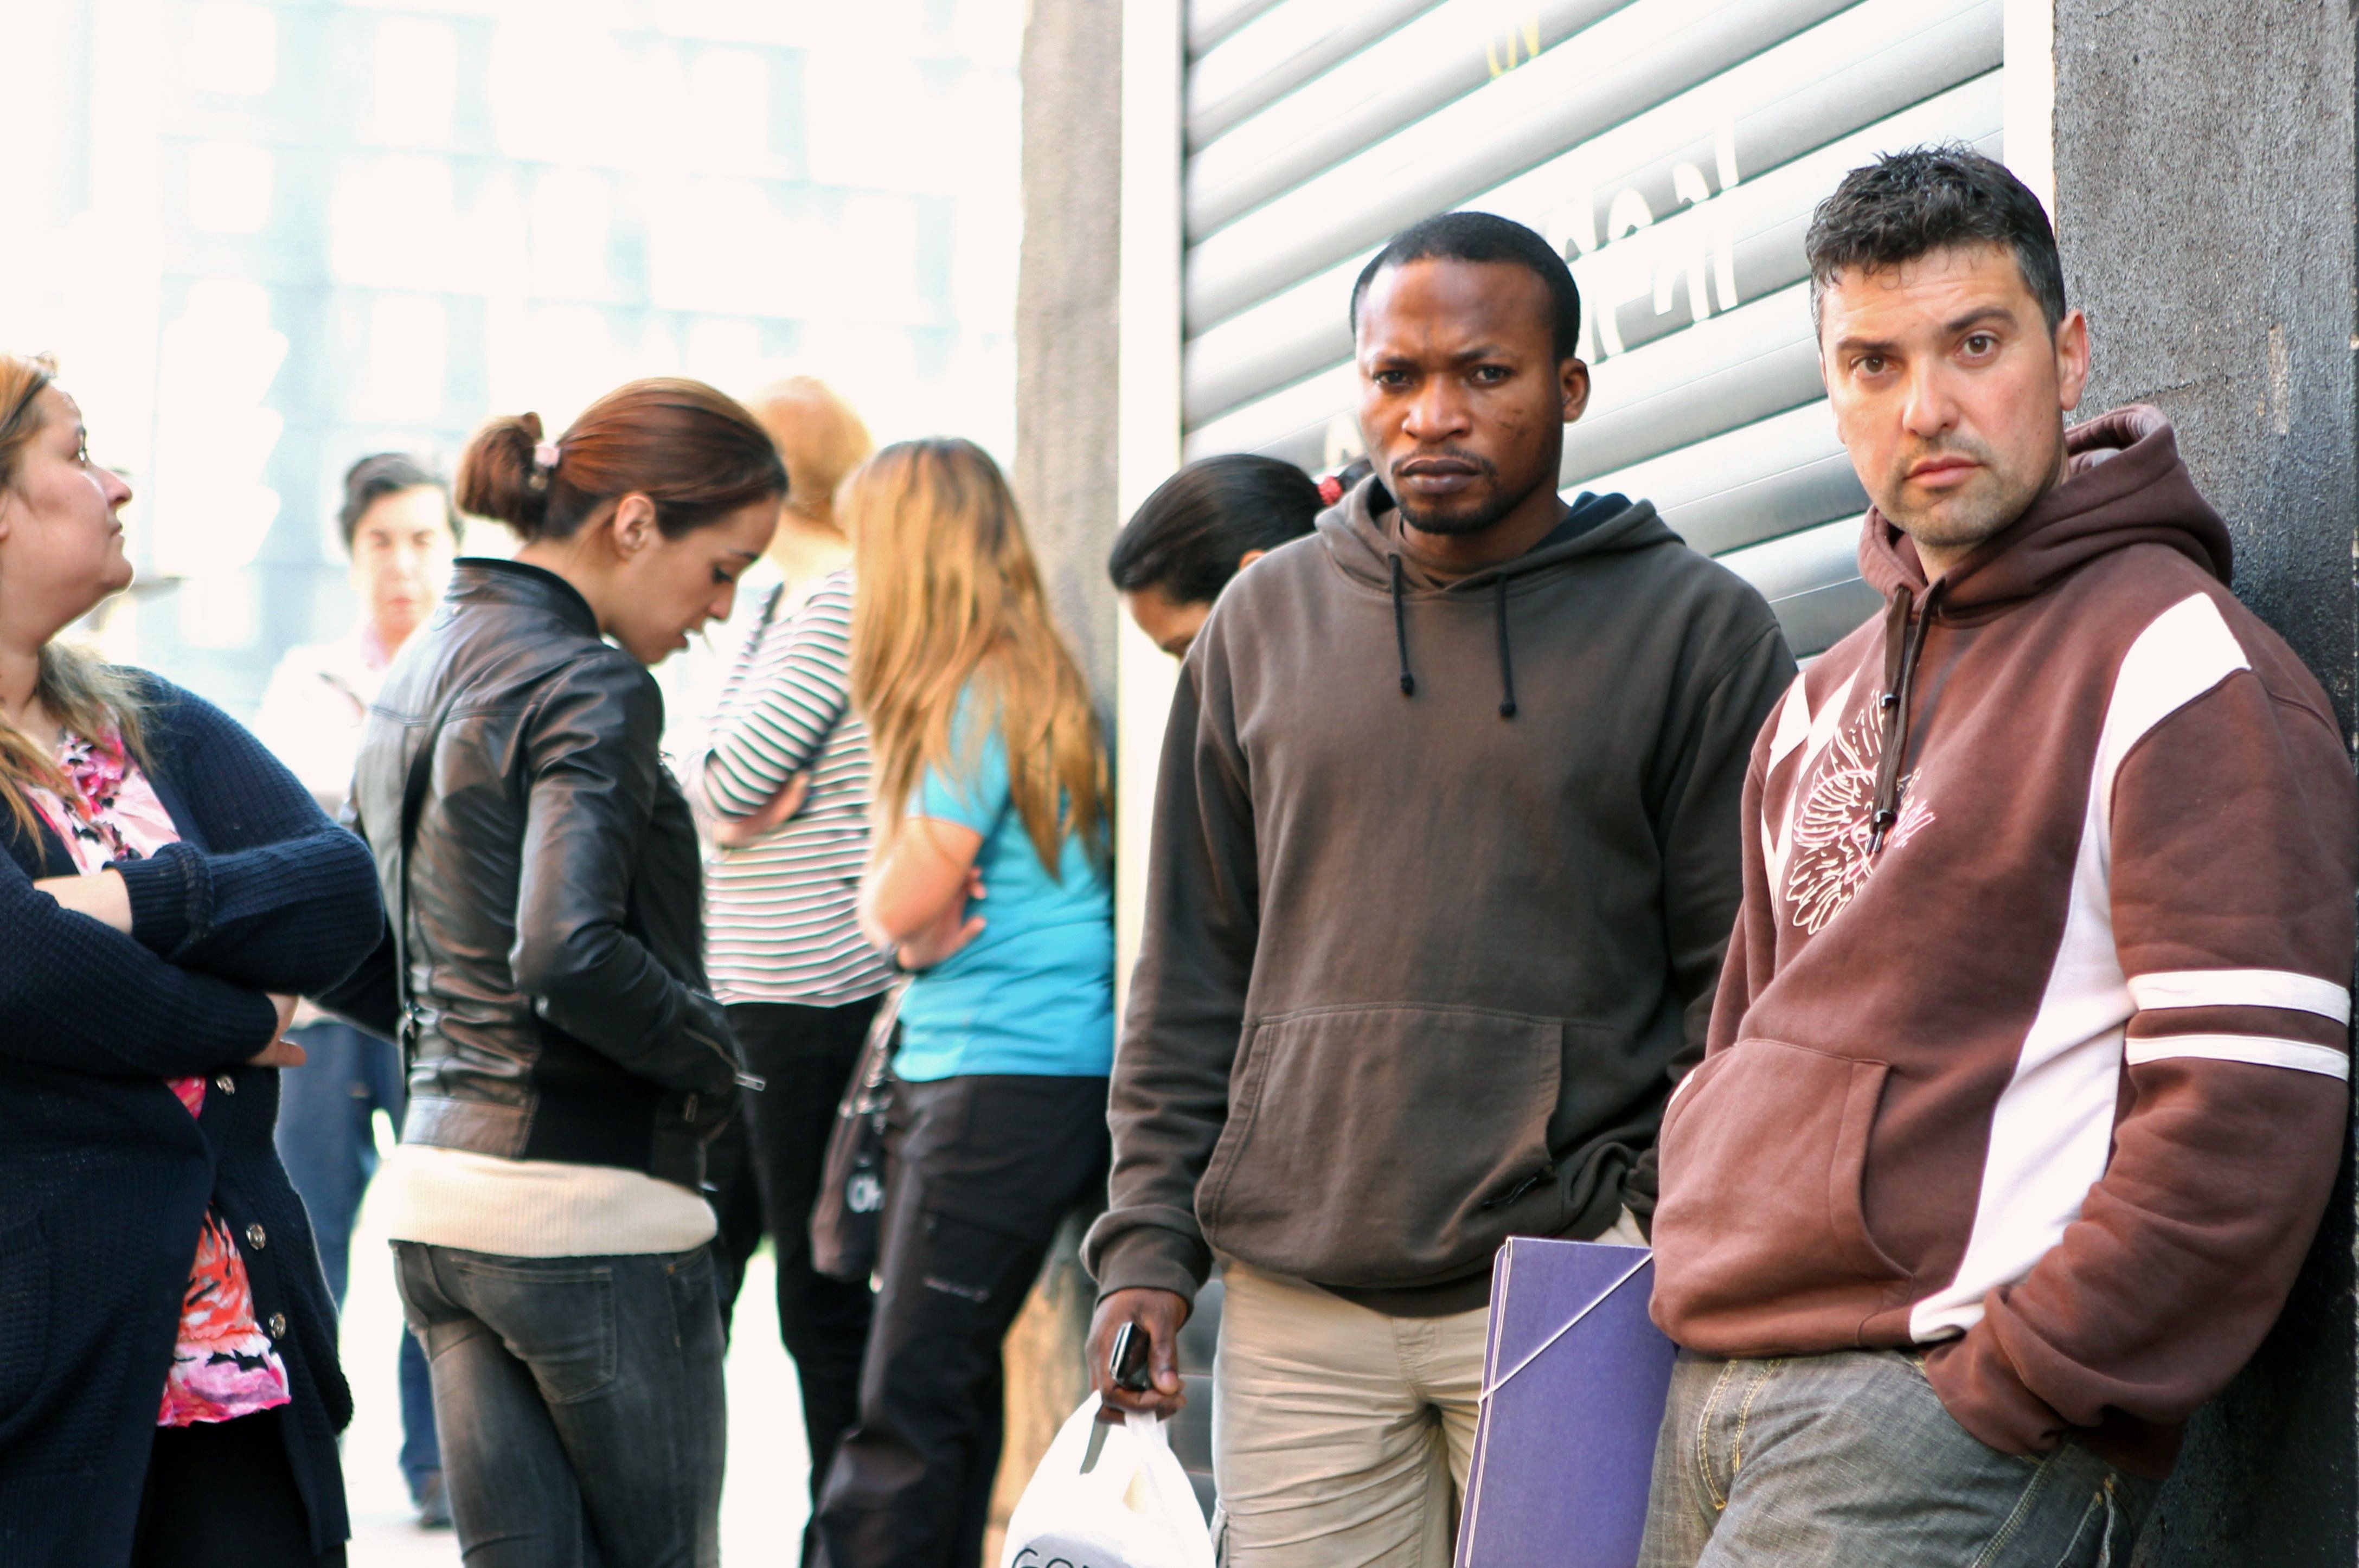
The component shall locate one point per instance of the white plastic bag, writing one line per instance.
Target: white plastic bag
(1132, 1508)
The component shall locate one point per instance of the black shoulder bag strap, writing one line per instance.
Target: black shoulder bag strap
(413, 805)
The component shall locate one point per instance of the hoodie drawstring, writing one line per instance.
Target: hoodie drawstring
(1400, 630)
(1903, 642)
(1400, 641)
(1506, 664)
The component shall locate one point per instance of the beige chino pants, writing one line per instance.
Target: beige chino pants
(1341, 1435)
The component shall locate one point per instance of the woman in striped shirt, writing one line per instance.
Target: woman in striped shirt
(785, 784)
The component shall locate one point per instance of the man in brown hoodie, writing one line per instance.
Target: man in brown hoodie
(1444, 858)
(2027, 1079)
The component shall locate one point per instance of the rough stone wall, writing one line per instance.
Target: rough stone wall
(1066, 318)
(2204, 181)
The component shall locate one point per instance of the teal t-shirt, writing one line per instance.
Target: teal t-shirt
(1034, 992)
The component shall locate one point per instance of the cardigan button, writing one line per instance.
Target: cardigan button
(256, 1237)
(226, 1083)
(277, 1325)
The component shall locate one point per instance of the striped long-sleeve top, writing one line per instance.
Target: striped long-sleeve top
(781, 926)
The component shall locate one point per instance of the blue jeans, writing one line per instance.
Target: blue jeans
(583, 1417)
(1849, 1460)
(328, 1144)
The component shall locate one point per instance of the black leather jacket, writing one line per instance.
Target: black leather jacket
(555, 930)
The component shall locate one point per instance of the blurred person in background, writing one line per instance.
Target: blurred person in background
(169, 1386)
(785, 789)
(988, 878)
(401, 533)
(1203, 526)
(545, 957)
(819, 438)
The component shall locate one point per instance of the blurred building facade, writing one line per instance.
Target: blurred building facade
(265, 238)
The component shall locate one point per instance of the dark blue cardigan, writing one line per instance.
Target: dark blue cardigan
(105, 1176)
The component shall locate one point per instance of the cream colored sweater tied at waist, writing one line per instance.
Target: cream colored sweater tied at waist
(534, 1208)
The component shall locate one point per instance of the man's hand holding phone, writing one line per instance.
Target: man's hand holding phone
(1135, 1353)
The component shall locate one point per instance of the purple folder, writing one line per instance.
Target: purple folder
(1573, 1388)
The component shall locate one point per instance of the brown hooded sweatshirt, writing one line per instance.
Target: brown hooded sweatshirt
(1442, 875)
(2032, 1045)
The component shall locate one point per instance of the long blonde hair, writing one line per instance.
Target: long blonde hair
(946, 597)
(90, 698)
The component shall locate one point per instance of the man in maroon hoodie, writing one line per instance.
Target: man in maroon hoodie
(2027, 1076)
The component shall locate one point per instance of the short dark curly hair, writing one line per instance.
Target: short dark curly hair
(1908, 204)
(1484, 237)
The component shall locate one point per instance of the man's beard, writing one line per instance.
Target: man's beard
(1962, 522)
(1483, 516)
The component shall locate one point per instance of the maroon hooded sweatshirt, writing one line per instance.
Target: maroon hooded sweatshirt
(2032, 1047)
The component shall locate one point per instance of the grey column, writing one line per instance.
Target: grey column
(1066, 352)
(2204, 193)
(1065, 477)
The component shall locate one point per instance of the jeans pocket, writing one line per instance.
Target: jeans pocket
(413, 1283)
(693, 1280)
(556, 1315)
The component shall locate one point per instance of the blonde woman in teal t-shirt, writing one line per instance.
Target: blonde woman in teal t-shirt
(989, 881)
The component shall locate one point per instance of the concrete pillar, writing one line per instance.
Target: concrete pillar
(1067, 315)
(1067, 415)
(2204, 200)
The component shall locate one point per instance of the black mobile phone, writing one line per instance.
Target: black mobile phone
(1128, 1362)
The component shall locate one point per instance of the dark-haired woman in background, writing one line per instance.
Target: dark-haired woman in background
(1202, 526)
(168, 1386)
(401, 533)
(569, 1065)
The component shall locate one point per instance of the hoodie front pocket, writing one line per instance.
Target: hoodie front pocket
(1760, 1235)
(1383, 1145)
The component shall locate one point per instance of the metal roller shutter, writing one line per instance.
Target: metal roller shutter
(1674, 150)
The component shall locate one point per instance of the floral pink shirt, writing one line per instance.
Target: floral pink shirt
(224, 1366)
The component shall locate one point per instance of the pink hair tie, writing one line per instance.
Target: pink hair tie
(1331, 490)
(544, 456)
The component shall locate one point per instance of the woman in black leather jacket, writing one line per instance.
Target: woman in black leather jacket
(568, 1065)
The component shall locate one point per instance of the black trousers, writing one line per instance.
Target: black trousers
(220, 1495)
(805, 1056)
(982, 1170)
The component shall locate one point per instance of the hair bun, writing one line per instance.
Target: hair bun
(496, 474)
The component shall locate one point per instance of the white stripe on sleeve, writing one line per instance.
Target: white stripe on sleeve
(2258, 1050)
(2242, 988)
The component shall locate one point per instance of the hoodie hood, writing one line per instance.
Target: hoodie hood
(2126, 485)
(1360, 535)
